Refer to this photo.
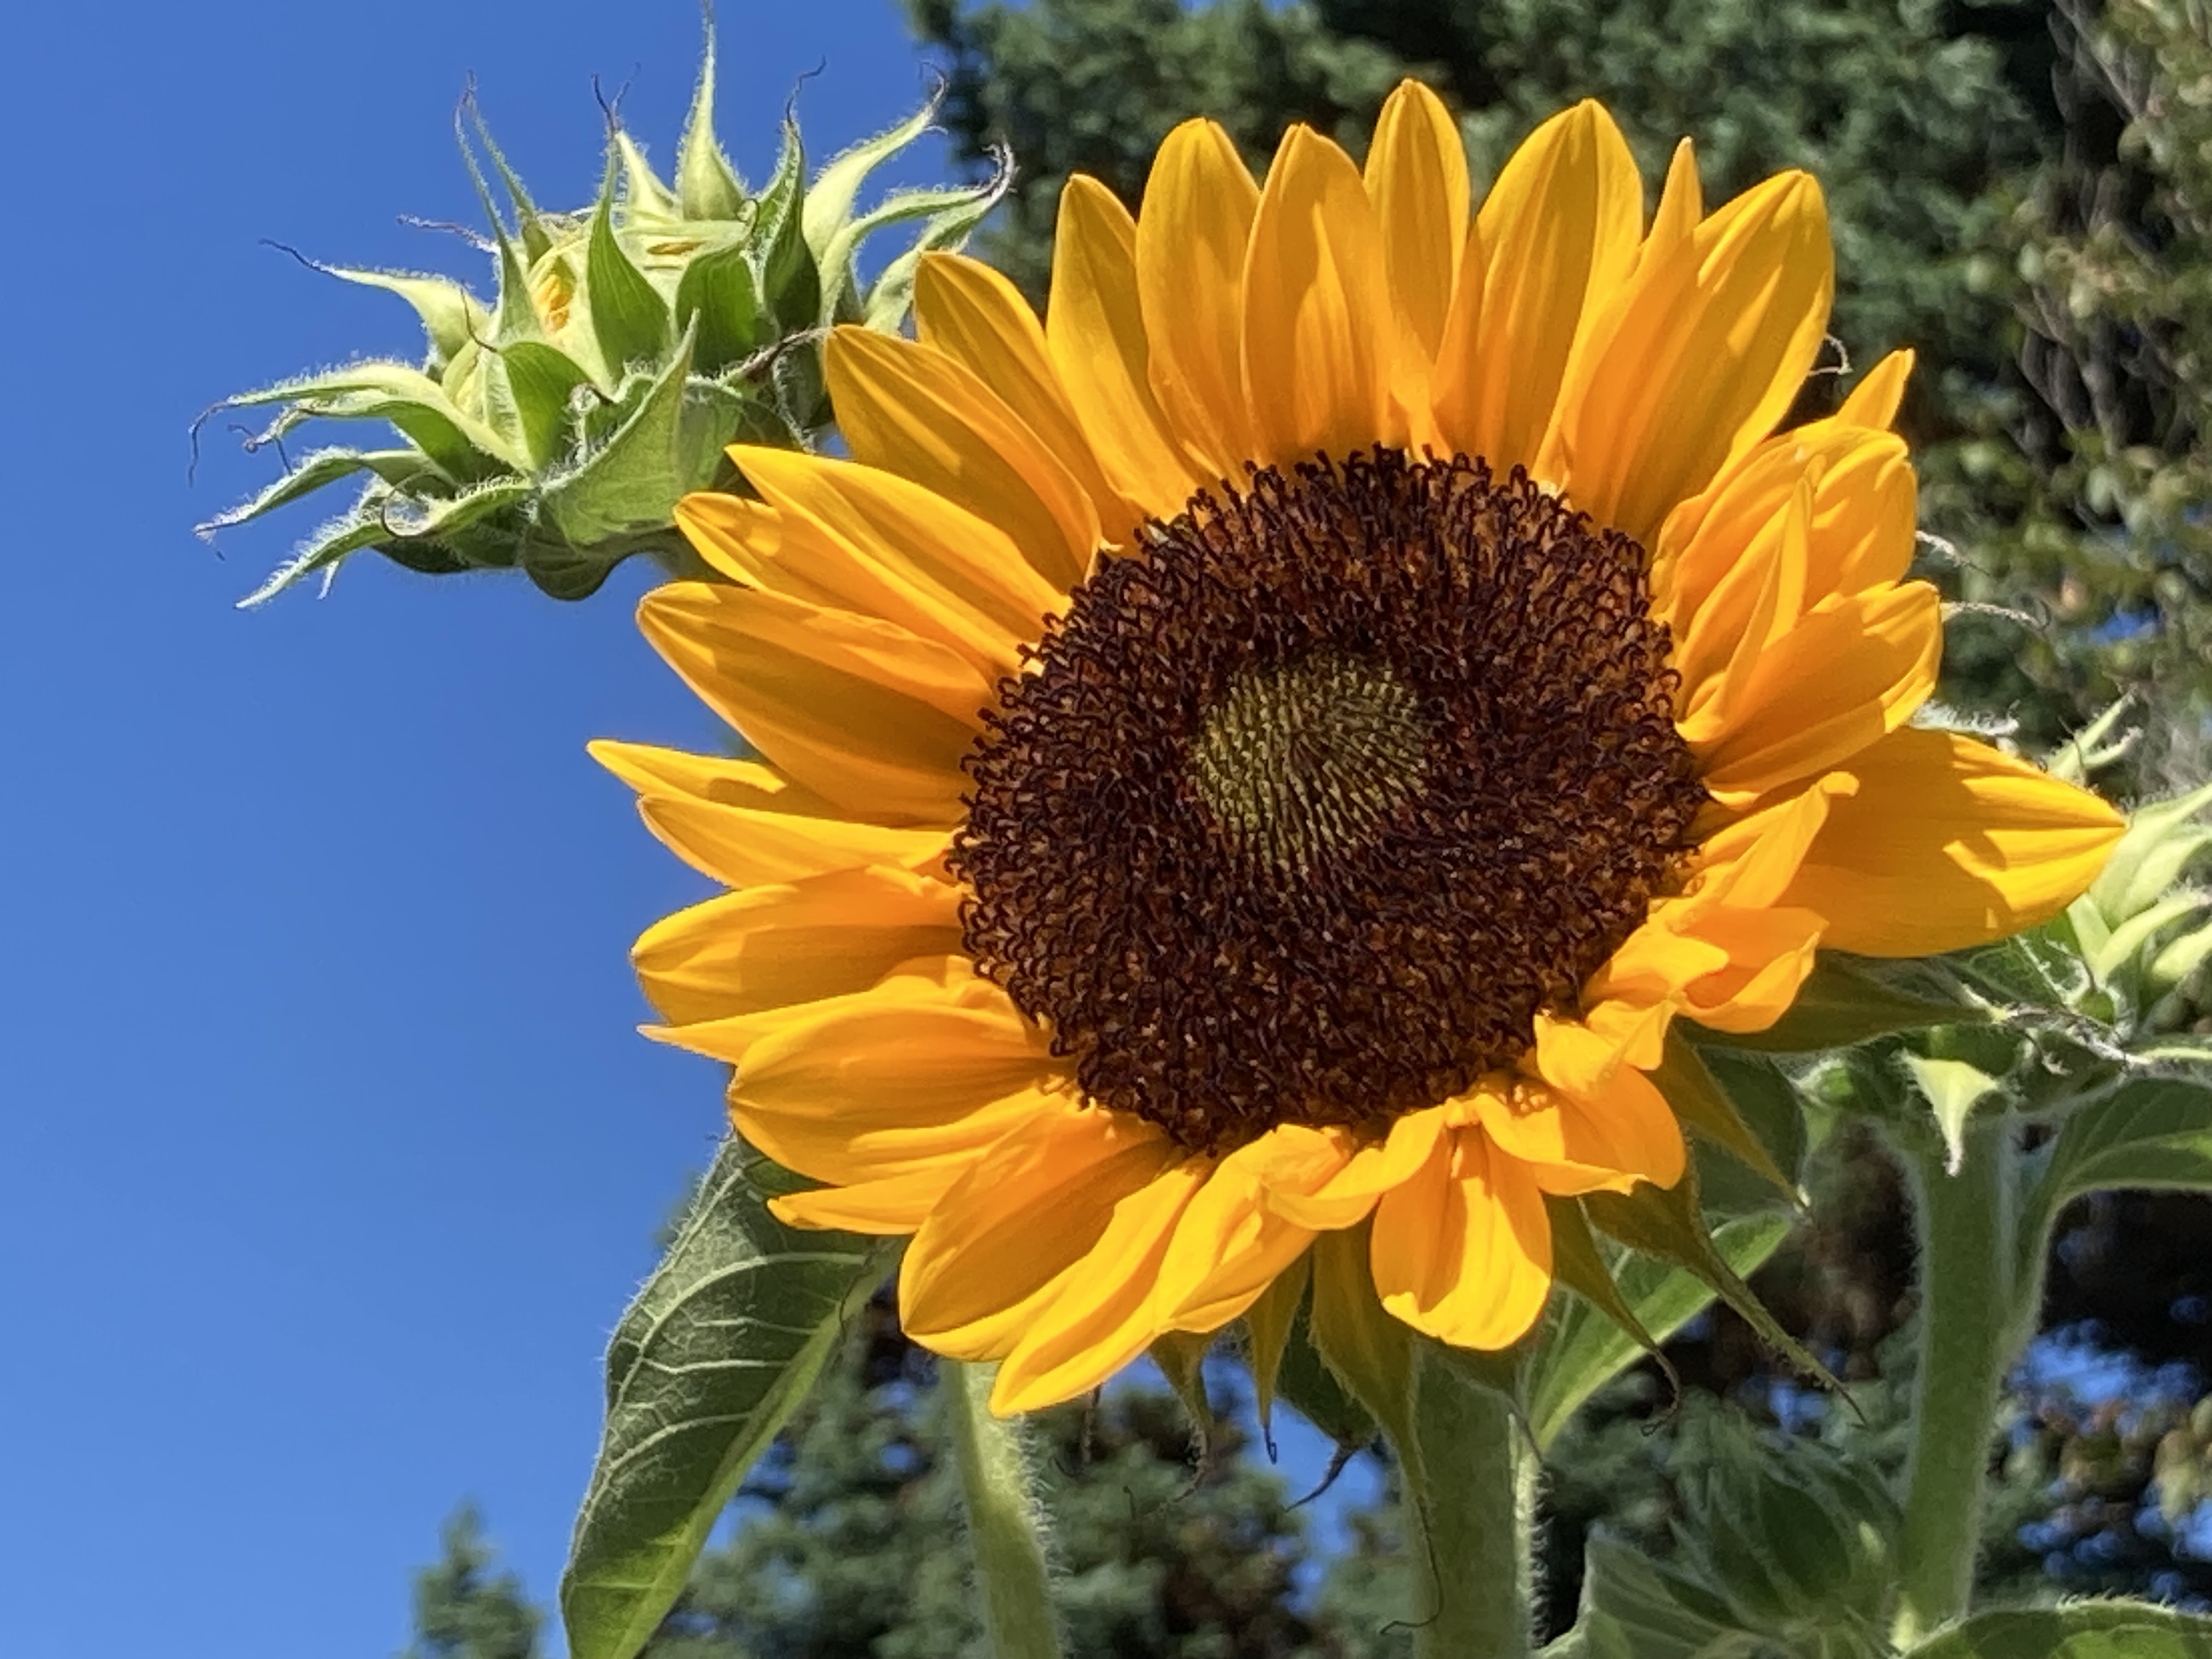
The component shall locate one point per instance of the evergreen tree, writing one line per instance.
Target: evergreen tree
(1169, 1543)
(464, 1609)
(2086, 486)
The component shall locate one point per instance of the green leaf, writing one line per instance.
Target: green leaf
(643, 194)
(629, 318)
(1794, 1534)
(2152, 854)
(408, 520)
(2121, 945)
(719, 1347)
(1953, 1089)
(627, 486)
(325, 466)
(1847, 1000)
(1366, 1351)
(2088, 751)
(2180, 958)
(1710, 1093)
(428, 557)
(1636, 1608)
(536, 239)
(1584, 1349)
(2084, 1630)
(1268, 1325)
(2039, 969)
(715, 416)
(719, 291)
(2147, 1132)
(790, 282)
(514, 317)
(1580, 1264)
(830, 201)
(1665, 1222)
(1181, 1356)
(403, 395)
(451, 315)
(892, 293)
(540, 381)
(1304, 1381)
(322, 551)
(707, 187)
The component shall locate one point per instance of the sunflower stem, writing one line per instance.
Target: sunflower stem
(1471, 1485)
(1974, 1310)
(1004, 1519)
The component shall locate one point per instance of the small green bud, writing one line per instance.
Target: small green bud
(1797, 1538)
(554, 429)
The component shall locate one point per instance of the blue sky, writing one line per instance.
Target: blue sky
(328, 1152)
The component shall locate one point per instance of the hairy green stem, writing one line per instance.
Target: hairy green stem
(1002, 1519)
(1470, 1479)
(1974, 1318)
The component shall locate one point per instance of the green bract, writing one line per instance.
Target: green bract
(555, 427)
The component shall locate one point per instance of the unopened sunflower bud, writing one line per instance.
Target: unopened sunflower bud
(1797, 1539)
(2142, 929)
(554, 427)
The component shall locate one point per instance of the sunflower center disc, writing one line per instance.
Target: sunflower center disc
(1308, 807)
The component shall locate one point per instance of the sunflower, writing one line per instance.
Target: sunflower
(1250, 766)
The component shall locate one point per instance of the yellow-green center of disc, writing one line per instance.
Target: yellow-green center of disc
(1303, 758)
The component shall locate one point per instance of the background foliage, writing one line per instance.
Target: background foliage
(2023, 193)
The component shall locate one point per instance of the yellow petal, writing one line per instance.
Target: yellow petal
(1852, 670)
(1316, 309)
(1949, 843)
(894, 1205)
(792, 555)
(767, 947)
(1106, 1309)
(652, 770)
(882, 546)
(1700, 356)
(1873, 400)
(744, 823)
(1582, 1056)
(1681, 207)
(1417, 178)
(1229, 1247)
(859, 1088)
(1574, 1144)
(1754, 951)
(861, 711)
(1326, 1179)
(1859, 534)
(1760, 595)
(1191, 235)
(1771, 954)
(1021, 1219)
(1463, 1251)
(748, 542)
(974, 316)
(1653, 965)
(1096, 328)
(1558, 231)
(1748, 864)
(1265, 1248)
(910, 409)
(929, 982)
